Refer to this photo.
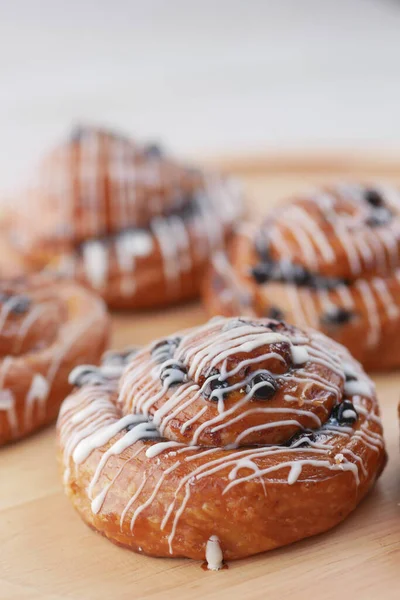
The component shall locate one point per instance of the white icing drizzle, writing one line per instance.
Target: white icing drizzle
(224, 269)
(372, 312)
(95, 260)
(7, 404)
(27, 323)
(316, 235)
(214, 556)
(155, 450)
(38, 393)
(7, 398)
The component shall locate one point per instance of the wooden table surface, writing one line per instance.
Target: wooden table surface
(47, 552)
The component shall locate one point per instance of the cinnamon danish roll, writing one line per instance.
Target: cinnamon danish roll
(222, 441)
(329, 260)
(125, 219)
(47, 326)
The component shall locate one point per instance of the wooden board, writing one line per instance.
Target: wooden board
(47, 552)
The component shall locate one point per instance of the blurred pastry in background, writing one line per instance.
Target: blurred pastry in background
(330, 260)
(124, 219)
(47, 327)
(11, 262)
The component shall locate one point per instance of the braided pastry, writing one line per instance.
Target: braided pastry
(328, 260)
(125, 219)
(47, 326)
(225, 440)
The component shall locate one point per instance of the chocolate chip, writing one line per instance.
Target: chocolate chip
(288, 272)
(275, 313)
(262, 272)
(217, 384)
(77, 133)
(173, 373)
(165, 349)
(345, 413)
(302, 439)
(86, 374)
(300, 276)
(153, 151)
(19, 305)
(350, 377)
(373, 197)
(114, 358)
(213, 383)
(262, 387)
(276, 325)
(337, 316)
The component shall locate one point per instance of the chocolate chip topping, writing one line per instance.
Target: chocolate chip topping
(345, 413)
(337, 316)
(214, 383)
(165, 349)
(263, 386)
(18, 304)
(173, 373)
(379, 216)
(262, 272)
(287, 272)
(115, 358)
(350, 377)
(302, 439)
(153, 151)
(83, 375)
(275, 313)
(373, 197)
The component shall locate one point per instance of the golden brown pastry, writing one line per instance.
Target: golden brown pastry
(329, 260)
(125, 219)
(222, 441)
(11, 262)
(47, 326)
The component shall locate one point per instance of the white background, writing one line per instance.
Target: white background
(205, 76)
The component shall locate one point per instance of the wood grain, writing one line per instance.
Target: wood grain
(47, 552)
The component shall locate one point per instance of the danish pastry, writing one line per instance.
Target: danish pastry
(329, 260)
(47, 326)
(222, 441)
(125, 219)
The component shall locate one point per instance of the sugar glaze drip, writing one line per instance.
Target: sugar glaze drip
(214, 556)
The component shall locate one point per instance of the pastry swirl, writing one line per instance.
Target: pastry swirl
(329, 260)
(236, 437)
(47, 326)
(125, 219)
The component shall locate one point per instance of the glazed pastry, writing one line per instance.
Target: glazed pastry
(47, 326)
(11, 262)
(125, 219)
(329, 260)
(222, 441)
